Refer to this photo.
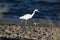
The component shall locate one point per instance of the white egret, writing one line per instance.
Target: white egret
(28, 16)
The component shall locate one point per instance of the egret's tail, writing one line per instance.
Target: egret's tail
(20, 18)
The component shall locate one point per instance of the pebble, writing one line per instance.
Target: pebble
(29, 32)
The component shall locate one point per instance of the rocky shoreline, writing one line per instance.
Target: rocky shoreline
(29, 32)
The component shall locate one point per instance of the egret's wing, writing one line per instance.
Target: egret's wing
(26, 15)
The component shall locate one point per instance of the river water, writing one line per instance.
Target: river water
(17, 8)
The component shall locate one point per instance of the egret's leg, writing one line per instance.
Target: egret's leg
(29, 22)
(21, 22)
(25, 22)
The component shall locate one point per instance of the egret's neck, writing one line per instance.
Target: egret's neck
(33, 12)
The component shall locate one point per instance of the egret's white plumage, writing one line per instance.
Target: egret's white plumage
(25, 17)
(28, 16)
